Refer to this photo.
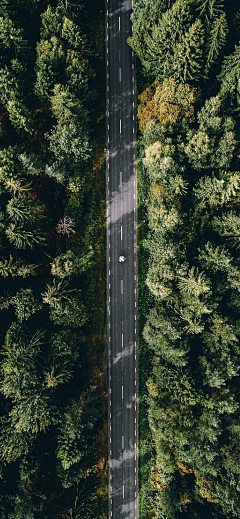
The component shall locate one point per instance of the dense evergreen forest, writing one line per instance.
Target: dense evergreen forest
(52, 261)
(189, 228)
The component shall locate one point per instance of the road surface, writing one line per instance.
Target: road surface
(122, 277)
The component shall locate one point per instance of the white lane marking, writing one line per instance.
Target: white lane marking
(109, 272)
(121, 232)
(123, 491)
(122, 392)
(110, 415)
(133, 66)
(109, 259)
(133, 130)
(120, 178)
(107, 63)
(122, 442)
(120, 124)
(133, 91)
(107, 50)
(122, 340)
(107, 22)
(121, 286)
(109, 299)
(119, 23)
(107, 88)
(108, 126)
(120, 74)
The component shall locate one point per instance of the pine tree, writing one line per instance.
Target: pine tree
(55, 293)
(230, 75)
(188, 54)
(215, 257)
(228, 226)
(23, 238)
(158, 46)
(24, 208)
(217, 38)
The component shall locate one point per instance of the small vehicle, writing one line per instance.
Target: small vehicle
(121, 258)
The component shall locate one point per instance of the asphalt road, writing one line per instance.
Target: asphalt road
(122, 277)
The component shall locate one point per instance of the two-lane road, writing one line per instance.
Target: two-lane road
(122, 277)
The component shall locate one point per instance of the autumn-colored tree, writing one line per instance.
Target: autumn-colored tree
(169, 104)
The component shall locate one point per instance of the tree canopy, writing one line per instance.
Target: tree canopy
(51, 395)
(189, 180)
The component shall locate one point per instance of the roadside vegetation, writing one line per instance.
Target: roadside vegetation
(189, 229)
(53, 461)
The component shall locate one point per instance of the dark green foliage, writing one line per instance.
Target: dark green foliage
(50, 414)
(191, 172)
(229, 76)
(179, 39)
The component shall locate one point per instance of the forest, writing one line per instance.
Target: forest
(52, 260)
(188, 57)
